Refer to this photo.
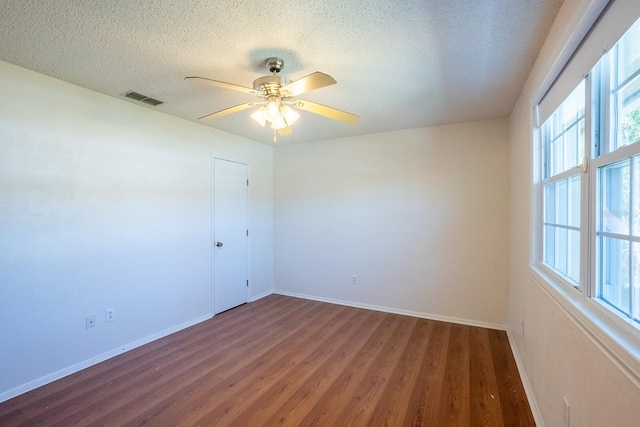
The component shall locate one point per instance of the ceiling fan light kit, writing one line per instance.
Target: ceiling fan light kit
(277, 98)
(275, 112)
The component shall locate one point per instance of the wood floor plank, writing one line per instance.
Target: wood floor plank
(289, 361)
(365, 398)
(14, 417)
(337, 397)
(310, 393)
(513, 400)
(397, 393)
(423, 407)
(484, 392)
(337, 339)
(454, 403)
(272, 367)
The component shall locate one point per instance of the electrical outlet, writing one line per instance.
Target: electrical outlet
(91, 321)
(111, 314)
(567, 412)
(354, 279)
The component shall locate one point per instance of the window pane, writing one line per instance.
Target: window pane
(614, 190)
(564, 134)
(549, 245)
(574, 201)
(627, 114)
(574, 256)
(580, 141)
(636, 281)
(614, 287)
(561, 250)
(562, 202)
(635, 217)
(557, 163)
(625, 87)
(549, 202)
(571, 148)
(629, 52)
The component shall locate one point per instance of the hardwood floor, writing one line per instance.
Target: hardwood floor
(290, 361)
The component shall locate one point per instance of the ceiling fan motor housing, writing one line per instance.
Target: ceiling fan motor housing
(270, 85)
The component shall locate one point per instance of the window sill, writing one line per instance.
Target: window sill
(618, 344)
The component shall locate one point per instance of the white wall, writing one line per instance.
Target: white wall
(107, 204)
(421, 216)
(557, 356)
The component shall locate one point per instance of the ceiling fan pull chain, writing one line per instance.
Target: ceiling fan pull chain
(275, 140)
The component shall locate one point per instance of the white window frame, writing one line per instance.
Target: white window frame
(617, 335)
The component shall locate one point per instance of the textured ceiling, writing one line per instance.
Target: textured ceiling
(399, 63)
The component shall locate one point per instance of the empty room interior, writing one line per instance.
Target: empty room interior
(320, 213)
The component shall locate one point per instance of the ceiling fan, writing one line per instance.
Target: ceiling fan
(277, 98)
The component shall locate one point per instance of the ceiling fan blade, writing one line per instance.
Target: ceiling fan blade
(311, 82)
(223, 85)
(286, 131)
(227, 111)
(323, 110)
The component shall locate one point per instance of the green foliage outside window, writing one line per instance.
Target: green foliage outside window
(631, 127)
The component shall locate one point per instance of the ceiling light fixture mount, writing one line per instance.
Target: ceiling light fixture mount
(277, 97)
(275, 65)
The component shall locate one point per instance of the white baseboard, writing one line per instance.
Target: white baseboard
(260, 296)
(9, 394)
(537, 416)
(397, 311)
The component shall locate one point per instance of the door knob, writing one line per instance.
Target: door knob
(219, 244)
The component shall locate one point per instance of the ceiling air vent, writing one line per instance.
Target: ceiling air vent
(142, 98)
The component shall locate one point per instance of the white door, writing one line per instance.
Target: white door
(230, 235)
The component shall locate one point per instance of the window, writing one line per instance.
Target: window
(590, 192)
(563, 145)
